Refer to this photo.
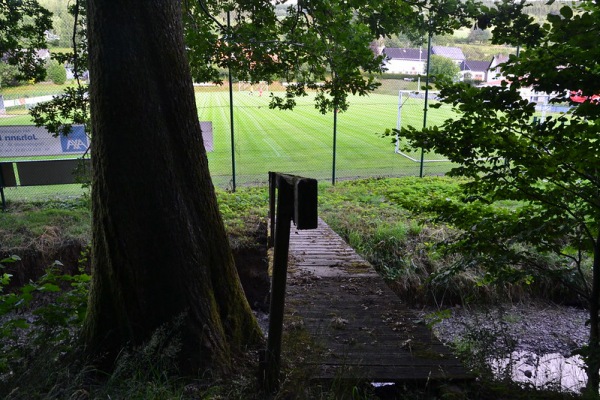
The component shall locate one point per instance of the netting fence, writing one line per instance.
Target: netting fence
(301, 141)
(304, 142)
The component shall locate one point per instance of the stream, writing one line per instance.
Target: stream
(529, 343)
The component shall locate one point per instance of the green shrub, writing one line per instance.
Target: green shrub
(56, 72)
(8, 75)
(39, 325)
(390, 75)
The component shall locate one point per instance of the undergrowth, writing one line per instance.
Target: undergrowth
(393, 224)
(42, 224)
(388, 221)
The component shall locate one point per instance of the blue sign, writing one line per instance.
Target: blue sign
(75, 142)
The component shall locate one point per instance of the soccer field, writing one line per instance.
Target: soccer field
(301, 141)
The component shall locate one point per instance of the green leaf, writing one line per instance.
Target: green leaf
(4, 280)
(566, 12)
(553, 18)
(49, 287)
(11, 259)
(20, 323)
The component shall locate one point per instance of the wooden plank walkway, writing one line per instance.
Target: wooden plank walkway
(358, 328)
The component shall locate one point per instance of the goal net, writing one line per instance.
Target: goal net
(414, 110)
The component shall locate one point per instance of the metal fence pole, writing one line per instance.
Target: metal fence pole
(426, 99)
(231, 116)
(334, 144)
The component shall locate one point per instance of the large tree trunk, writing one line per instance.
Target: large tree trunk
(159, 246)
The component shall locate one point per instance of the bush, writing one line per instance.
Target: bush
(8, 75)
(56, 72)
(389, 75)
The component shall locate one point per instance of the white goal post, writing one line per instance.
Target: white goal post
(405, 96)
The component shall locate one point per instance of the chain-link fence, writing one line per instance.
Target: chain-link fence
(302, 141)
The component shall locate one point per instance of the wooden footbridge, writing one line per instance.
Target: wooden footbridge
(353, 327)
(359, 328)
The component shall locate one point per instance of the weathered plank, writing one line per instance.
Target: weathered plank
(357, 327)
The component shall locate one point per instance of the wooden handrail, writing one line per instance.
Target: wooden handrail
(291, 198)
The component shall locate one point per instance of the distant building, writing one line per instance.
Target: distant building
(474, 70)
(85, 75)
(453, 53)
(408, 61)
(51, 36)
(43, 54)
(494, 73)
(412, 61)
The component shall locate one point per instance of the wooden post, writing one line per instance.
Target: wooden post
(280, 258)
(296, 200)
(272, 198)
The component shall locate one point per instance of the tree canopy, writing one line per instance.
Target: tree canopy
(318, 45)
(443, 67)
(22, 34)
(548, 165)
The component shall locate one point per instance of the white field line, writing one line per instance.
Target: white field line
(272, 145)
(418, 161)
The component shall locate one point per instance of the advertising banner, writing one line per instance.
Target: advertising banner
(207, 135)
(25, 141)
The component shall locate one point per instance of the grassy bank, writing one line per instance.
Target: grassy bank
(384, 220)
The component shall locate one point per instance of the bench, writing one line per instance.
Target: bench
(41, 172)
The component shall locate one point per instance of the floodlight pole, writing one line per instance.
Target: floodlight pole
(426, 96)
(399, 121)
(231, 115)
(335, 112)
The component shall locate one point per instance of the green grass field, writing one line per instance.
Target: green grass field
(301, 141)
(40, 89)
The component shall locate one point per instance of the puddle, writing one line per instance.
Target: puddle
(548, 371)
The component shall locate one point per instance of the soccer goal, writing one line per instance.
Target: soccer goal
(411, 111)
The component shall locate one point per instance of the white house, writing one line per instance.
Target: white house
(404, 60)
(412, 61)
(474, 70)
(494, 73)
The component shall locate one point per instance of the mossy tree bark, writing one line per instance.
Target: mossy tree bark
(159, 245)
